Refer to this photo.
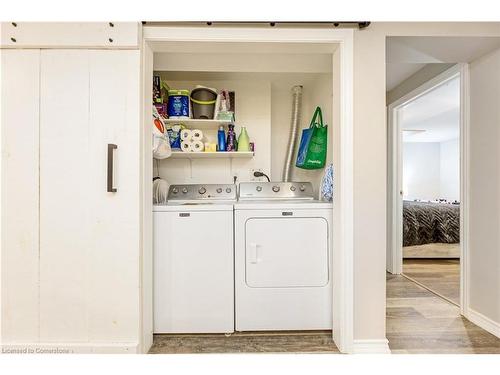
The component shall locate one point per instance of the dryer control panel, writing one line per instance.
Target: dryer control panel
(276, 190)
(202, 192)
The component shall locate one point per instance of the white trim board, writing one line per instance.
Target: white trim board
(464, 186)
(371, 347)
(343, 291)
(484, 322)
(74, 35)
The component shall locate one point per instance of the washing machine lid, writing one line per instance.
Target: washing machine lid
(286, 252)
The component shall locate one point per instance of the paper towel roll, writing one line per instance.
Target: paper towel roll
(186, 134)
(186, 146)
(197, 135)
(197, 146)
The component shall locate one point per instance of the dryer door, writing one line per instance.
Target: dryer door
(286, 252)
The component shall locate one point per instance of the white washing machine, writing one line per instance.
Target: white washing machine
(193, 260)
(283, 258)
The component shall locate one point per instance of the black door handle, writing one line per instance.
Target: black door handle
(111, 147)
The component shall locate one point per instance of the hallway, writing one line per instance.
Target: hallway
(420, 322)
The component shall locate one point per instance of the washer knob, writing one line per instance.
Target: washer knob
(175, 190)
(258, 188)
(202, 190)
(302, 188)
(228, 190)
(276, 188)
(184, 190)
(219, 190)
(292, 188)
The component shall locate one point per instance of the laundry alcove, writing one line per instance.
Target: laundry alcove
(261, 66)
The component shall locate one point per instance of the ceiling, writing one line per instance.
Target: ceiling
(405, 55)
(435, 49)
(434, 116)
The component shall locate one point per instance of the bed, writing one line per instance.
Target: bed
(431, 230)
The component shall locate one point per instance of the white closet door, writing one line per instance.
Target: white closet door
(113, 253)
(65, 202)
(89, 238)
(19, 200)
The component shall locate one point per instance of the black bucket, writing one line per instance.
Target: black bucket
(203, 103)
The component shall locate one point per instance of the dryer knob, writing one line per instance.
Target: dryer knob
(184, 190)
(276, 188)
(175, 190)
(228, 190)
(302, 188)
(219, 190)
(202, 190)
(292, 188)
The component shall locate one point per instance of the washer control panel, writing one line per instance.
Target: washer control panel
(205, 192)
(276, 190)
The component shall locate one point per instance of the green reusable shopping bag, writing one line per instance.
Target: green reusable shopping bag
(313, 144)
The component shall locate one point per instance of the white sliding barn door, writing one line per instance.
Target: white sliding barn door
(20, 71)
(114, 256)
(65, 205)
(89, 237)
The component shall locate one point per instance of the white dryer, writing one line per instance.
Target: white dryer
(193, 260)
(283, 258)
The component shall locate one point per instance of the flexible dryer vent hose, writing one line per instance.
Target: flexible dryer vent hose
(294, 128)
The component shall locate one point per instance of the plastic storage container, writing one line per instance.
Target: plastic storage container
(203, 103)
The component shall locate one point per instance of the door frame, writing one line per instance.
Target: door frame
(395, 185)
(343, 213)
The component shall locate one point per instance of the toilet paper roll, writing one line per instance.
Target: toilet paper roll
(186, 146)
(186, 134)
(197, 146)
(197, 135)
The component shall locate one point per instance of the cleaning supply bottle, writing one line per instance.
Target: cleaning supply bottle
(221, 139)
(243, 140)
(232, 143)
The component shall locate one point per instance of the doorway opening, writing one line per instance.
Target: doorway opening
(429, 127)
(168, 54)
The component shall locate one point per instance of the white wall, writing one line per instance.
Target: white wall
(450, 170)
(370, 167)
(421, 170)
(369, 185)
(431, 170)
(484, 210)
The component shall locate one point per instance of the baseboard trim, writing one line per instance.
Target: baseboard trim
(70, 348)
(484, 322)
(371, 347)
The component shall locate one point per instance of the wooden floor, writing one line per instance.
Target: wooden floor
(417, 322)
(421, 322)
(432, 250)
(440, 275)
(264, 342)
